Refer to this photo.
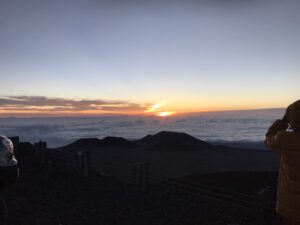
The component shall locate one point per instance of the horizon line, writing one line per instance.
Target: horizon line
(79, 115)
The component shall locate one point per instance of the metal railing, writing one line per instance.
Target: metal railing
(145, 179)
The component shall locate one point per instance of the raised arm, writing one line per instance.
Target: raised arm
(272, 136)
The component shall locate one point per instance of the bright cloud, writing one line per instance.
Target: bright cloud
(156, 107)
(44, 105)
(159, 109)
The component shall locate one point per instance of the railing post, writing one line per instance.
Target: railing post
(135, 173)
(79, 160)
(43, 147)
(83, 162)
(86, 163)
(36, 149)
(145, 176)
(141, 175)
(16, 141)
(39, 151)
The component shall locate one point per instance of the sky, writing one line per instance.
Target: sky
(147, 57)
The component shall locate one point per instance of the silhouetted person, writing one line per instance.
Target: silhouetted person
(9, 172)
(286, 142)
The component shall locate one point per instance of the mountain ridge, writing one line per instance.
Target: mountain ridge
(161, 141)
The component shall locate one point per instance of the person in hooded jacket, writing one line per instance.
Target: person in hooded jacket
(283, 137)
(9, 173)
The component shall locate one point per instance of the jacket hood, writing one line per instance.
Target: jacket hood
(293, 115)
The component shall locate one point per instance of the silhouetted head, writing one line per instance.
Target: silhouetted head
(293, 115)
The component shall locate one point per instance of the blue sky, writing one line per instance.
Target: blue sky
(195, 55)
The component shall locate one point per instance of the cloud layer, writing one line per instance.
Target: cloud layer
(46, 105)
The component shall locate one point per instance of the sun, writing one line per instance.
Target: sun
(165, 113)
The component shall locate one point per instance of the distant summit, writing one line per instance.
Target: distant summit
(86, 143)
(83, 143)
(118, 142)
(173, 141)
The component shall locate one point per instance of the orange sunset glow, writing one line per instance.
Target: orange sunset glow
(166, 114)
(159, 109)
(43, 106)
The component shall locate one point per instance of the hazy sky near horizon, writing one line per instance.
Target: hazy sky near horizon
(123, 56)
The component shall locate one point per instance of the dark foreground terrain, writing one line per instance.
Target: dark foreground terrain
(57, 194)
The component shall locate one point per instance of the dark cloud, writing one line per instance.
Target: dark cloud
(16, 104)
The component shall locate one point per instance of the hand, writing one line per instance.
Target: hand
(284, 119)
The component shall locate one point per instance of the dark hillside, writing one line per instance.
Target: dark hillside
(174, 141)
(118, 142)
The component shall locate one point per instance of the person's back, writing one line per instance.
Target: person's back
(287, 144)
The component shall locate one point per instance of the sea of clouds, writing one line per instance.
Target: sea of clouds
(240, 129)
